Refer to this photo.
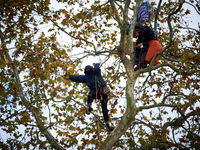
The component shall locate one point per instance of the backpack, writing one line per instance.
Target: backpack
(104, 90)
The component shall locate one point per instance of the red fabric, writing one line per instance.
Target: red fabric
(154, 47)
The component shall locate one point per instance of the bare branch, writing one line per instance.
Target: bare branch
(117, 15)
(62, 29)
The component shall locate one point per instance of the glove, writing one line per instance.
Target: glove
(66, 75)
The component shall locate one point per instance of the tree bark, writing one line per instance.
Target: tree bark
(126, 120)
(40, 124)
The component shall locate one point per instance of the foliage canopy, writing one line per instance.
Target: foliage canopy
(155, 107)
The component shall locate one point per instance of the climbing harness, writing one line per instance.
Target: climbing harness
(101, 90)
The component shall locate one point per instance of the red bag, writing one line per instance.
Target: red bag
(154, 47)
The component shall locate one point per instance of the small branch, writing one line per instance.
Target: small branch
(169, 22)
(148, 125)
(157, 105)
(193, 7)
(117, 15)
(188, 28)
(77, 38)
(178, 121)
(92, 113)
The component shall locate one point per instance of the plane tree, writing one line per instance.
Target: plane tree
(154, 107)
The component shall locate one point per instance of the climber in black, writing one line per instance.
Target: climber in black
(145, 35)
(95, 82)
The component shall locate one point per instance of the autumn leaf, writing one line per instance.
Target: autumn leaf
(158, 95)
(41, 42)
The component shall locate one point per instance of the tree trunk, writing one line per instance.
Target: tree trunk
(126, 120)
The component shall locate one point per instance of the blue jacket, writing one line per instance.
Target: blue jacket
(89, 78)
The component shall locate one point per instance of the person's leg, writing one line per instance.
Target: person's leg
(137, 54)
(104, 103)
(104, 107)
(143, 61)
(90, 99)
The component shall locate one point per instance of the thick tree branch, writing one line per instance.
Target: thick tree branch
(125, 121)
(39, 121)
(156, 15)
(177, 122)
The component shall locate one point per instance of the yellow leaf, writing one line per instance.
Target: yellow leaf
(71, 70)
(145, 118)
(36, 45)
(116, 56)
(65, 133)
(43, 35)
(7, 61)
(26, 115)
(163, 21)
(184, 54)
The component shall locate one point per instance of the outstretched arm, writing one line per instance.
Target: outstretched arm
(75, 78)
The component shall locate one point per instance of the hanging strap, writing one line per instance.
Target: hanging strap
(96, 86)
(98, 83)
(101, 90)
(155, 29)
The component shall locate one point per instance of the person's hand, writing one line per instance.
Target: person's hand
(66, 75)
(140, 45)
(134, 48)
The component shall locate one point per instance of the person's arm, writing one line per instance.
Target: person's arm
(139, 42)
(97, 69)
(103, 84)
(75, 78)
(150, 35)
(97, 72)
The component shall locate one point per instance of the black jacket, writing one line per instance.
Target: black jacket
(145, 35)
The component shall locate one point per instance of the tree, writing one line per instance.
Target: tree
(40, 109)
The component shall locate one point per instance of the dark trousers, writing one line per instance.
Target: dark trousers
(140, 54)
(93, 95)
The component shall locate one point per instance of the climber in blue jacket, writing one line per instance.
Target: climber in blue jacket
(95, 82)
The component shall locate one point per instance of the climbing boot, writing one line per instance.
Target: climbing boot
(89, 110)
(109, 127)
